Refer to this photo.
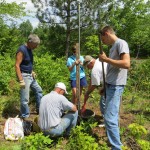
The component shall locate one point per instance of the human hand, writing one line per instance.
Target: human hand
(34, 75)
(86, 96)
(102, 57)
(101, 91)
(78, 62)
(22, 84)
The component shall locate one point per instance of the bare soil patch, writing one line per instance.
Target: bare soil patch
(100, 134)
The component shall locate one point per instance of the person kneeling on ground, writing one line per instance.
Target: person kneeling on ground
(51, 119)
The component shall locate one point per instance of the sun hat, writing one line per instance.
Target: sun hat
(61, 86)
(87, 59)
(34, 38)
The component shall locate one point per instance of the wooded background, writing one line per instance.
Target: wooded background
(58, 30)
(58, 27)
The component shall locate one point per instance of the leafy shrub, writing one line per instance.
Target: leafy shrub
(88, 125)
(81, 137)
(122, 130)
(7, 75)
(91, 46)
(137, 130)
(124, 148)
(103, 146)
(80, 140)
(51, 70)
(145, 145)
(37, 141)
(139, 77)
(9, 107)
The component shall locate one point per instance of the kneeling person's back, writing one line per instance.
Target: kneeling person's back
(52, 106)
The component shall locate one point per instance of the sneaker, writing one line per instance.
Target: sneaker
(101, 125)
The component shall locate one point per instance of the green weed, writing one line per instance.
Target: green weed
(145, 145)
(37, 141)
(137, 130)
(80, 140)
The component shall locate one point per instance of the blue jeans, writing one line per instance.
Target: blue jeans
(111, 114)
(68, 121)
(102, 105)
(25, 92)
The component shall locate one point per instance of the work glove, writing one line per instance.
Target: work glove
(22, 84)
(33, 74)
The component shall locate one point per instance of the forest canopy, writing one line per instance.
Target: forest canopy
(59, 25)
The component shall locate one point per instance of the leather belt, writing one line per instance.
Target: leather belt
(26, 72)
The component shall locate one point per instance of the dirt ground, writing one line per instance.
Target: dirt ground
(125, 120)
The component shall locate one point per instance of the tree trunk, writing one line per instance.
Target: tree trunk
(137, 55)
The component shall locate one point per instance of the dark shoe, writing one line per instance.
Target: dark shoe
(27, 127)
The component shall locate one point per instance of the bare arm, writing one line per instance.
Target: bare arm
(91, 88)
(86, 96)
(19, 58)
(124, 61)
(74, 108)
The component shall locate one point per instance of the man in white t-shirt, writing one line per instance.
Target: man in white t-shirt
(51, 119)
(96, 79)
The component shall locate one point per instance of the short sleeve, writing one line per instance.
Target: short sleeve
(123, 47)
(66, 105)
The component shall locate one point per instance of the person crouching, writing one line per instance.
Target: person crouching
(51, 119)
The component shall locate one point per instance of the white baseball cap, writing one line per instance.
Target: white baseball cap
(61, 86)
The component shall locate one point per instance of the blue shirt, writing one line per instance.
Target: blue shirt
(70, 61)
(27, 62)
